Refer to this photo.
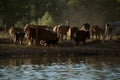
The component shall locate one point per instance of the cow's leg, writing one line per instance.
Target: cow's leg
(21, 41)
(71, 37)
(84, 42)
(104, 38)
(111, 37)
(66, 38)
(48, 45)
(77, 43)
(29, 42)
(61, 37)
(37, 42)
(11, 39)
(101, 36)
(15, 39)
(92, 36)
(96, 36)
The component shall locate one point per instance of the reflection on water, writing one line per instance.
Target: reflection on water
(61, 68)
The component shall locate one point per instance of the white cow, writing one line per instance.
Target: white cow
(111, 29)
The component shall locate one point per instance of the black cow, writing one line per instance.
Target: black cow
(19, 36)
(81, 36)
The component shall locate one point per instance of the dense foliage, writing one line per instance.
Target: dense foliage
(54, 12)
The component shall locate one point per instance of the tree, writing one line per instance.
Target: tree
(33, 22)
(21, 23)
(47, 19)
(58, 11)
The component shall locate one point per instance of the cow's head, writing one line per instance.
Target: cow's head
(86, 26)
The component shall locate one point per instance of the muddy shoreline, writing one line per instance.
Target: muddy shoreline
(63, 49)
(23, 51)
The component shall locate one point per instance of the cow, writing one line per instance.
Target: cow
(30, 32)
(19, 36)
(96, 31)
(47, 36)
(62, 31)
(71, 32)
(38, 34)
(81, 36)
(111, 29)
(16, 34)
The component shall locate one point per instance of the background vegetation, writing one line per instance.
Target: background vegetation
(54, 12)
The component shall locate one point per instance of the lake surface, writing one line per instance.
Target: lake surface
(61, 68)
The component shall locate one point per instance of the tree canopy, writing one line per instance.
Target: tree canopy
(75, 12)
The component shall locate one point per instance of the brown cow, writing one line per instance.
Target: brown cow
(16, 34)
(30, 31)
(39, 33)
(97, 32)
(62, 31)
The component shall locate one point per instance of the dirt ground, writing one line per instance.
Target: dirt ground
(92, 47)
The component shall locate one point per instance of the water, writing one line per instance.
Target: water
(61, 68)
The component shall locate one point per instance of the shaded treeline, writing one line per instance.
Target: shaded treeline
(72, 12)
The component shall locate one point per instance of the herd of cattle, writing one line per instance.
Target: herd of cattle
(45, 35)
